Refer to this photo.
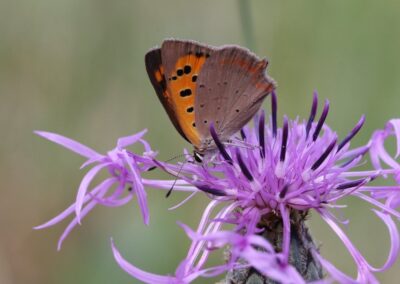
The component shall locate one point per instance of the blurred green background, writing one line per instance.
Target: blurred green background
(76, 68)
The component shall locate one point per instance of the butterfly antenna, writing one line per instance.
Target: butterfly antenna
(169, 160)
(177, 157)
(241, 144)
(176, 179)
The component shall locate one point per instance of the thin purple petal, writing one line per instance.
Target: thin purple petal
(138, 273)
(394, 241)
(69, 144)
(105, 184)
(129, 140)
(80, 197)
(75, 221)
(395, 123)
(139, 188)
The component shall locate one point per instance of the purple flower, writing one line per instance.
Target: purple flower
(381, 158)
(268, 172)
(124, 181)
(254, 249)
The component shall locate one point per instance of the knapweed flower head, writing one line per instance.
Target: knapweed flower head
(269, 175)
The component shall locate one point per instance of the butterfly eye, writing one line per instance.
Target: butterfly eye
(198, 157)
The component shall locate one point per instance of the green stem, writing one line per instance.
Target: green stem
(247, 26)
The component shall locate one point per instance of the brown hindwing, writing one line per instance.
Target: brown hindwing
(230, 90)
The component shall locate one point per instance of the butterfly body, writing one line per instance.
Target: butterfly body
(200, 85)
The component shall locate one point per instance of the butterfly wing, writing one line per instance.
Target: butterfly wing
(183, 62)
(155, 70)
(173, 70)
(231, 88)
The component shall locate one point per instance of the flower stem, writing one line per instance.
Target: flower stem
(301, 246)
(247, 27)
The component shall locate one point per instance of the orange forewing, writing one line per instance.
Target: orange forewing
(181, 91)
(155, 70)
(173, 71)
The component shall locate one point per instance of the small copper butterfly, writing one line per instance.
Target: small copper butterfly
(200, 84)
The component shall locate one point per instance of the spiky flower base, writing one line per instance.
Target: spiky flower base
(301, 247)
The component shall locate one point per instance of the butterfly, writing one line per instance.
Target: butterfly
(200, 85)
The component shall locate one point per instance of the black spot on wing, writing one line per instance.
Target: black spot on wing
(187, 69)
(163, 83)
(185, 92)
